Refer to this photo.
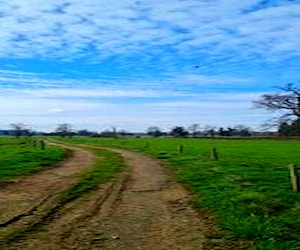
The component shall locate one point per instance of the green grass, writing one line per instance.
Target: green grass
(22, 159)
(248, 188)
(103, 170)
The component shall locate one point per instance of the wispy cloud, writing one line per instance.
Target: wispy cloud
(46, 114)
(143, 62)
(97, 108)
(177, 84)
(79, 28)
(90, 93)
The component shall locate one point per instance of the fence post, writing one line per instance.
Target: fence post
(214, 154)
(295, 177)
(43, 145)
(180, 149)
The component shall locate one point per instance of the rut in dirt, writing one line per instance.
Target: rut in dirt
(144, 208)
(21, 197)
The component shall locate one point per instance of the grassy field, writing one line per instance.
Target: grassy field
(18, 158)
(248, 188)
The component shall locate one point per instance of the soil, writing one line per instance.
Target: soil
(23, 194)
(143, 208)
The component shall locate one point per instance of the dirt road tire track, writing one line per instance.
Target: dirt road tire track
(25, 196)
(144, 208)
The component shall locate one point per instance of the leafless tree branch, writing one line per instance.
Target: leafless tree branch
(288, 101)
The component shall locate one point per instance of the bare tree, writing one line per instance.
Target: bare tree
(64, 129)
(242, 130)
(154, 131)
(19, 129)
(179, 131)
(209, 130)
(194, 128)
(286, 101)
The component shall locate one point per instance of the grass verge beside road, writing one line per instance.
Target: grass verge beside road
(19, 157)
(108, 165)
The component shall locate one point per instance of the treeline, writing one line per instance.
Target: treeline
(289, 129)
(208, 131)
(66, 130)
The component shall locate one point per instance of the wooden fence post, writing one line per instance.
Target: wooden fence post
(214, 154)
(43, 145)
(295, 177)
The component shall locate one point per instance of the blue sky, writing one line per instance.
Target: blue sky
(134, 64)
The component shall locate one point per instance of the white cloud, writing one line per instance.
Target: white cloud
(161, 39)
(56, 110)
(67, 28)
(90, 93)
(51, 86)
(208, 80)
(42, 109)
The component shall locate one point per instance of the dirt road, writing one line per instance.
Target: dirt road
(141, 209)
(23, 194)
